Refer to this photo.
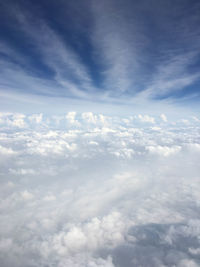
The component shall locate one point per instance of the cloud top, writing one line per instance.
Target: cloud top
(93, 190)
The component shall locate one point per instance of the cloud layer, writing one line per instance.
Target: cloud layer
(92, 190)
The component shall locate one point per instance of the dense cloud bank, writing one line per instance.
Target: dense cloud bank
(90, 190)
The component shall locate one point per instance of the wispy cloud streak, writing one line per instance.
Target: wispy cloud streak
(124, 50)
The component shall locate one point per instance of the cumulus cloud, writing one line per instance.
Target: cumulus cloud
(112, 192)
(13, 119)
(37, 118)
(89, 117)
(71, 118)
(146, 118)
(163, 150)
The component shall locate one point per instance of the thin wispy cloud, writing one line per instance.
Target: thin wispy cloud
(108, 51)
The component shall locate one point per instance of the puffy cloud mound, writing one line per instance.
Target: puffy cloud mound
(99, 191)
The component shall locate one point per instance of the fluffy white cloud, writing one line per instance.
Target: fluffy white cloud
(146, 118)
(17, 121)
(37, 118)
(89, 117)
(71, 118)
(108, 193)
(163, 150)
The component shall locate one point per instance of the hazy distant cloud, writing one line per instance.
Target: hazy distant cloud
(89, 117)
(71, 118)
(196, 119)
(163, 150)
(6, 151)
(163, 117)
(146, 118)
(37, 118)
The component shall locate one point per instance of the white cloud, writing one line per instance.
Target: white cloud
(17, 120)
(26, 195)
(195, 118)
(185, 121)
(163, 150)
(89, 117)
(163, 117)
(49, 197)
(37, 118)
(146, 118)
(22, 171)
(195, 147)
(71, 118)
(109, 193)
(172, 75)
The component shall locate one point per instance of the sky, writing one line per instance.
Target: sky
(99, 55)
(99, 133)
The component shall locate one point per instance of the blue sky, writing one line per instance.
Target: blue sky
(99, 55)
